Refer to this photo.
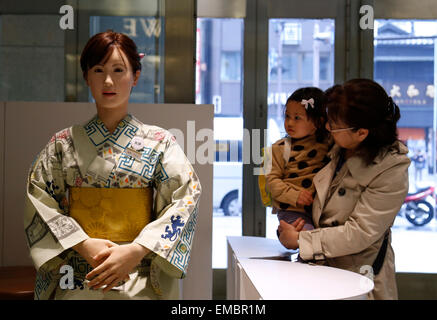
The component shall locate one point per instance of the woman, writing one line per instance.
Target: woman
(90, 194)
(360, 191)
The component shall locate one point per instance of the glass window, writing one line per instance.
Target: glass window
(147, 32)
(307, 66)
(295, 60)
(218, 81)
(289, 66)
(231, 66)
(291, 33)
(325, 65)
(404, 65)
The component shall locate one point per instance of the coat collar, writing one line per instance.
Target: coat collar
(363, 173)
(357, 168)
(322, 182)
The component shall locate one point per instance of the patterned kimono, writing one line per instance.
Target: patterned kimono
(135, 155)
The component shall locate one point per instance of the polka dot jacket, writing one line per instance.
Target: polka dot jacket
(295, 162)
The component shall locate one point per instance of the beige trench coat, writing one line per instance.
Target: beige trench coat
(353, 212)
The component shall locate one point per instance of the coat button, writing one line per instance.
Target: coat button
(341, 191)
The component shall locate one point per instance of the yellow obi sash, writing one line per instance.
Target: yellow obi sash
(118, 215)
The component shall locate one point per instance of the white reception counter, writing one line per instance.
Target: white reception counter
(249, 277)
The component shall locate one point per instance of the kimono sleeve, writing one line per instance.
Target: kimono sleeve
(178, 191)
(49, 231)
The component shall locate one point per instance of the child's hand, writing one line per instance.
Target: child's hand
(289, 233)
(299, 224)
(305, 198)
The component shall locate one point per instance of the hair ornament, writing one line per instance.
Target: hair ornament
(141, 55)
(309, 102)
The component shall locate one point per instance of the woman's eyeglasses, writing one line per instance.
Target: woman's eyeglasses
(329, 128)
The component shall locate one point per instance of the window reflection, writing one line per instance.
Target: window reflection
(231, 66)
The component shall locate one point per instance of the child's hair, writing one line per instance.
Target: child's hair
(317, 114)
(363, 103)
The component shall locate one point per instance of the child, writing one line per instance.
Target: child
(299, 156)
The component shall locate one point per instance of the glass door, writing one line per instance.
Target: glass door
(219, 61)
(300, 54)
(298, 45)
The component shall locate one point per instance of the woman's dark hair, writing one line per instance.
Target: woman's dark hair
(363, 103)
(101, 46)
(317, 114)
